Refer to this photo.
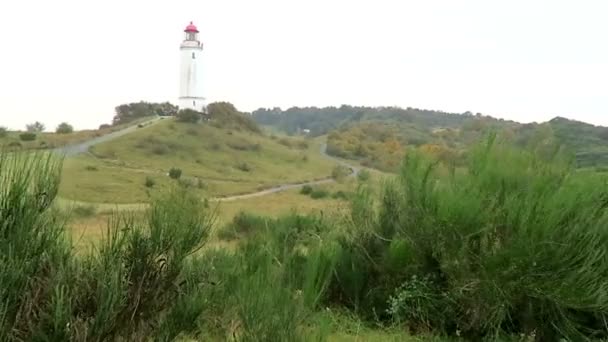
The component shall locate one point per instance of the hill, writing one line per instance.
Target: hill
(217, 158)
(367, 133)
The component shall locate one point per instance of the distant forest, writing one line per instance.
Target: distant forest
(376, 134)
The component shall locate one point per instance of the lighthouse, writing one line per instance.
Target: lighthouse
(190, 91)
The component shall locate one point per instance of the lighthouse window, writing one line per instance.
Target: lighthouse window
(193, 56)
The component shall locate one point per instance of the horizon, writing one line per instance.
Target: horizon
(518, 61)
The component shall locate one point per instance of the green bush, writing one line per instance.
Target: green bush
(341, 195)
(135, 284)
(175, 173)
(242, 224)
(91, 168)
(161, 149)
(3, 131)
(340, 172)
(188, 115)
(514, 245)
(319, 193)
(306, 190)
(363, 175)
(27, 136)
(244, 167)
(149, 182)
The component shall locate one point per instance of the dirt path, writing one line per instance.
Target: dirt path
(84, 148)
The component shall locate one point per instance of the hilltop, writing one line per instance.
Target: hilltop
(377, 135)
(226, 155)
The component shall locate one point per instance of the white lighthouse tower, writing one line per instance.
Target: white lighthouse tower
(190, 90)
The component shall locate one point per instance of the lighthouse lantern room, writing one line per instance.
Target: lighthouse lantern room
(190, 90)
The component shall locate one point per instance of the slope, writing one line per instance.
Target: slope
(214, 161)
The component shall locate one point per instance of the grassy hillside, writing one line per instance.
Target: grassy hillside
(366, 133)
(47, 140)
(214, 161)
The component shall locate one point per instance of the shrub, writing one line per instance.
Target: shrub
(318, 194)
(28, 136)
(306, 190)
(161, 149)
(244, 167)
(242, 224)
(104, 126)
(363, 175)
(64, 128)
(188, 115)
(340, 172)
(175, 173)
(186, 183)
(149, 182)
(201, 184)
(91, 168)
(506, 247)
(216, 146)
(192, 131)
(340, 195)
(3, 132)
(14, 144)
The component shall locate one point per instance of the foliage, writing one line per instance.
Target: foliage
(306, 190)
(225, 115)
(363, 175)
(359, 132)
(188, 115)
(35, 127)
(244, 167)
(149, 182)
(175, 173)
(340, 172)
(3, 131)
(514, 245)
(136, 284)
(377, 145)
(28, 136)
(126, 113)
(64, 128)
(319, 193)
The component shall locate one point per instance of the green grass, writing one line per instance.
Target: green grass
(47, 140)
(217, 156)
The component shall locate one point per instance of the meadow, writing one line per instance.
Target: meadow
(512, 249)
(215, 161)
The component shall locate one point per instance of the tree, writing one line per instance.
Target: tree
(128, 112)
(64, 128)
(188, 115)
(3, 131)
(35, 127)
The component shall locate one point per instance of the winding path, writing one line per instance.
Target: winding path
(80, 148)
(83, 147)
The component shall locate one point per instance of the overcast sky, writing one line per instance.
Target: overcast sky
(68, 60)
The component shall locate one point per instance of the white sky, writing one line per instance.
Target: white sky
(68, 60)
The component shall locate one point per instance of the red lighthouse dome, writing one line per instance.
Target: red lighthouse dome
(191, 28)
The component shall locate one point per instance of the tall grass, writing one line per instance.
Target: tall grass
(517, 245)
